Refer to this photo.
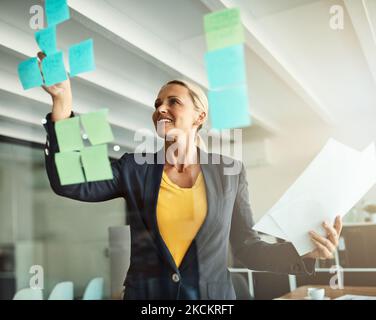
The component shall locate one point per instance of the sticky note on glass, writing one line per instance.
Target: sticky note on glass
(81, 58)
(96, 163)
(57, 11)
(53, 69)
(223, 29)
(46, 40)
(68, 133)
(29, 74)
(226, 67)
(229, 108)
(96, 127)
(69, 167)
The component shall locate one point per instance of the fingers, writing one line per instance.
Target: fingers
(338, 224)
(324, 253)
(41, 55)
(323, 242)
(331, 233)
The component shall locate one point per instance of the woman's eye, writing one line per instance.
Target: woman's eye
(173, 101)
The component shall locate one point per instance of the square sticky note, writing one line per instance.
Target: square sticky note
(46, 40)
(223, 29)
(57, 11)
(226, 67)
(29, 74)
(68, 133)
(96, 163)
(229, 108)
(53, 69)
(69, 168)
(81, 58)
(96, 127)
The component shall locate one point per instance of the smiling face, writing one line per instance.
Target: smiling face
(174, 109)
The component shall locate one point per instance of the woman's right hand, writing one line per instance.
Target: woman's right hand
(61, 94)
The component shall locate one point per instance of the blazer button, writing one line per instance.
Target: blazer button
(175, 277)
(46, 152)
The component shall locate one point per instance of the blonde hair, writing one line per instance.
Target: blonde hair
(200, 102)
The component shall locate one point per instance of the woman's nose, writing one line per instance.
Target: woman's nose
(162, 109)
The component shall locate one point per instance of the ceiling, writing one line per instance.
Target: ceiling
(303, 77)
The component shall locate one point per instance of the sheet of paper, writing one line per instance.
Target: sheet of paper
(57, 11)
(331, 185)
(81, 58)
(229, 108)
(355, 297)
(223, 29)
(29, 74)
(69, 168)
(46, 40)
(226, 67)
(68, 133)
(96, 163)
(53, 69)
(97, 127)
(267, 225)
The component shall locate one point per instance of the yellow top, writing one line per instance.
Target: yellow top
(180, 214)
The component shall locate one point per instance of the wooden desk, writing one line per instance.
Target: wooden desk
(301, 292)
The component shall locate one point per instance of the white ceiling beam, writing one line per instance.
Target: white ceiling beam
(258, 41)
(10, 83)
(19, 41)
(363, 18)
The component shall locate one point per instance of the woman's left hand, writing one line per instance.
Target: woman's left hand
(325, 247)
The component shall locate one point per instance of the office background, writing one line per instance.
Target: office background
(307, 82)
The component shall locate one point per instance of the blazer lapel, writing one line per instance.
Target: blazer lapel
(214, 189)
(151, 191)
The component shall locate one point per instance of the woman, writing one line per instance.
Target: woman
(182, 213)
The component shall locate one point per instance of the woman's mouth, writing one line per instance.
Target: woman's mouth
(164, 120)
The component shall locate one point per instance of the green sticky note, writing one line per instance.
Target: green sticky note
(29, 74)
(226, 67)
(53, 69)
(46, 39)
(81, 57)
(69, 168)
(223, 29)
(96, 163)
(97, 127)
(57, 11)
(229, 108)
(68, 133)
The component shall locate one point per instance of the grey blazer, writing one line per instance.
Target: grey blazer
(203, 273)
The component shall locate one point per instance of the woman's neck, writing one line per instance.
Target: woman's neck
(181, 153)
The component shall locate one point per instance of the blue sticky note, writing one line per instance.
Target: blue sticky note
(229, 108)
(57, 11)
(226, 67)
(46, 39)
(81, 57)
(53, 69)
(29, 74)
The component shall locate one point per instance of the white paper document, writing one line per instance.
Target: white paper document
(331, 185)
(355, 297)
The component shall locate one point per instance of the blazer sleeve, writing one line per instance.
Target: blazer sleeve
(251, 251)
(88, 191)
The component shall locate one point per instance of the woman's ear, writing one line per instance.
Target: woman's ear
(201, 119)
